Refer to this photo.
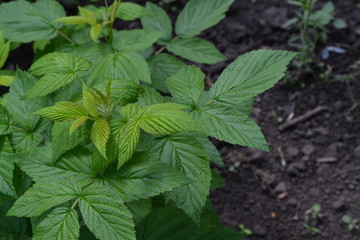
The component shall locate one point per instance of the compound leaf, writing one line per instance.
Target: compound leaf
(250, 75)
(199, 15)
(57, 70)
(61, 223)
(196, 50)
(63, 111)
(100, 133)
(104, 215)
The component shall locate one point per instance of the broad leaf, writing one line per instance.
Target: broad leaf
(140, 209)
(5, 124)
(187, 85)
(130, 11)
(250, 75)
(4, 50)
(158, 21)
(218, 233)
(196, 50)
(43, 196)
(150, 96)
(22, 21)
(128, 65)
(128, 140)
(100, 133)
(199, 15)
(7, 168)
(211, 151)
(143, 180)
(134, 40)
(129, 112)
(162, 66)
(56, 70)
(184, 153)
(23, 141)
(63, 111)
(106, 217)
(61, 223)
(230, 125)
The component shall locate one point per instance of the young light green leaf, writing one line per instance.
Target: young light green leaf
(162, 66)
(77, 123)
(61, 223)
(4, 50)
(184, 153)
(22, 21)
(104, 215)
(63, 111)
(129, 111)
(95, 31)
(158, 21)
(230, 125)
(6, 80)
(187, 85)
(90, 101)
(7, 168)
(196, 50)
(88, 14)
(100, 133)
(250, 75)
(56, 70)
(130, 11)
(134, 40)
(128, 65)
(43, 196)
(166, 118)
(72, 20)
(128, 139)
(143, 180)
(199, 15)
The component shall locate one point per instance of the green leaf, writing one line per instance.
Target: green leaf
(77, 123)
(95, 31)
(150, 96)
(43, 196)
(25, 140)
(187, 85)
(100, 133)
(90, 101)
(21, 110)
(130, 11)
(159, 21)
(4, 50)
(63, 111)
(143, 180)
(72, 20)
(166, 118)
(250, 75)
(41, 166)
(61, 223)
(57, 70)
(230, 125)
(129, 111)
(129, 139)
(199, 15)
(246, 107)
(140, 209)
(5, 124)
(218, 233)
(211, 151)
(339, 23)
(6, 80)
(22, 21)
(196, 50)
(106, 217)
(162, 66)
(7, 168)
(134, 40)
(128, 65)
(184, 153)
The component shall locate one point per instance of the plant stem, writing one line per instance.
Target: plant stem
(66, 37)
(74, 204)
(163, 48)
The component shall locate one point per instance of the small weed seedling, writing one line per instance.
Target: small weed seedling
(311, 230)
(313, 28)
(352, 223)
(234, 166)
(244, 230)
(315, 212)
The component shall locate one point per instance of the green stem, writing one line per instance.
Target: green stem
(66, 37)
(74, 204)
(163, 48)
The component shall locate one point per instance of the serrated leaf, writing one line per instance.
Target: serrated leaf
(43, 196)
(199, 15)
(88, 14)
(129, 111)
(166, 118)
(106, 217)
(128, 65)
(184, 153)
(100, 133)
(22, 21)
(134, 40)
(56, 70)
(90, 101)
(95, 31)
(218, 233)
(130, 11)
(5, 124)
(63, 111)
(7, 168)
(230, 125)
(211, 151)
(23, 141)
(61, 223)
(158, 21)
(140, 209)
(76, 124)
(4, 50)
(143, 180)
(6, 80)
(187, 85)
(196, 50)
(162, 66)
(129, 138)
(150, 96)
(72, 20)
(250, 75)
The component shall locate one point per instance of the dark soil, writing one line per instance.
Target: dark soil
(314, 162)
